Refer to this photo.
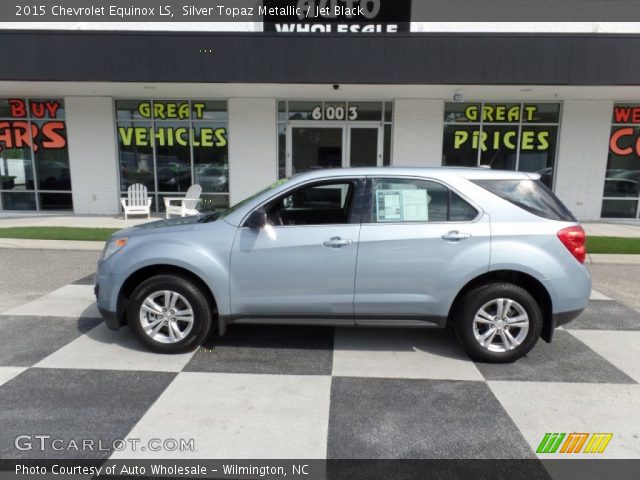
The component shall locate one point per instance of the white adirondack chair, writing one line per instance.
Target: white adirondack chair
(186, 205)
(137, 202)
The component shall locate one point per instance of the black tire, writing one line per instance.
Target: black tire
(192, 293)
(471, 303)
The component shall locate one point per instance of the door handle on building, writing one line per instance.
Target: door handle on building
(336, 242)
(455, 236)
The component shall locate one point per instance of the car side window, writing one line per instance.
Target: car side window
(317, 204)
(408, 200)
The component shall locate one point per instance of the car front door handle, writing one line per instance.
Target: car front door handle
(455, 236)
(336, 242)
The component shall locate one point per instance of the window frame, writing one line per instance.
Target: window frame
(355, 213)
(368, 203)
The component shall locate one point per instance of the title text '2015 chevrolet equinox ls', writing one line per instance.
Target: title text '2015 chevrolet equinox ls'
(492, 254)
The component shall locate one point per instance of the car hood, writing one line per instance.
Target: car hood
(164, 226)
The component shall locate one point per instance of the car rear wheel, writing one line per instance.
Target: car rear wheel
(169, 314)
(498, 322)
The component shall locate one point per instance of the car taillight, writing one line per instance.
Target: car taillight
(574, 239)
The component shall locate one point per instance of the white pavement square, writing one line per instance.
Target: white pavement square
(68, 301)
(596, 295)
(538, 408)
(104, 349)
(240, 416)
(619, 347)
(7, 373)
(402, 353)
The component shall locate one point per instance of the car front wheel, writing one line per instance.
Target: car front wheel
(169, 314)
(498, 322)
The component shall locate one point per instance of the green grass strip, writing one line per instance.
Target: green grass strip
(58, 233)
(613, 245)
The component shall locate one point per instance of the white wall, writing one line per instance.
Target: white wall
(417, 132)
(253, 159)
(582, 155)
(92, 154)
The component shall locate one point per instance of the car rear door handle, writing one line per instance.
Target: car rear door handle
(455, 236)
(336, 242)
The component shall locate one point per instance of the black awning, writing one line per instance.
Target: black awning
(485, 59)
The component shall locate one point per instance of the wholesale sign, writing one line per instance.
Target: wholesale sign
(36, 125)
(337, 16)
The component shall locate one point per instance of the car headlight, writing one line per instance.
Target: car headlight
(113, 246)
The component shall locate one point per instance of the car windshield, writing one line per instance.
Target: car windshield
(255, 195)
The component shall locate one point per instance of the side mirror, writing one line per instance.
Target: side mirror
(257, 219)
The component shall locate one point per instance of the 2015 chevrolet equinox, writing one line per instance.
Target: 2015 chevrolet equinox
(492, 254)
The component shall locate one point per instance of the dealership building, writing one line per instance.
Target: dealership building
(86, 111)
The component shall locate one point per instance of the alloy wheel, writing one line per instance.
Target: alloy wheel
(501, 325)
(166, 316)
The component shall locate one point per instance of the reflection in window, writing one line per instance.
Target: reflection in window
(136, 155)
(173, 165)
(16, 169)
(210, 157)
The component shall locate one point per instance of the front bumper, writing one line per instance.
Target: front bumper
(106, 288)
(111, 319)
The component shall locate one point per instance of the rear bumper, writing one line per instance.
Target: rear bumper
(557, 320)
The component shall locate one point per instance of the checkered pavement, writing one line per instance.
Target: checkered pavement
(312, 392)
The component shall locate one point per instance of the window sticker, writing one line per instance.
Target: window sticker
(402, 205)
(388, 205)
(414, 206)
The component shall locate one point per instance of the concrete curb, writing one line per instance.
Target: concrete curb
(618, 259)
(28, 244)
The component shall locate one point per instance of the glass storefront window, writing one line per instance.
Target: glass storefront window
(511, 136)
(330, 134)
(621, 189)
(366, 110)
(136, 155)
(19, 201)
(34, 157)
(168, 145)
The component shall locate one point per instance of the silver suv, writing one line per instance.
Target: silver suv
(494, 255)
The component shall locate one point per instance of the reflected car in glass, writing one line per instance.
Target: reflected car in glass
(492, 255)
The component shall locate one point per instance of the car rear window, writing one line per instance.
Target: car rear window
(530, 195)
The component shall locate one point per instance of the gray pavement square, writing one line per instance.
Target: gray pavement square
(28, 339)
(101, 405)
(606, 315)
(565, 359)
(270, 349)
(88, 280)
(413, 418)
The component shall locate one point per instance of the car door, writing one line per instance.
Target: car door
(420, 242)
(301, 266)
